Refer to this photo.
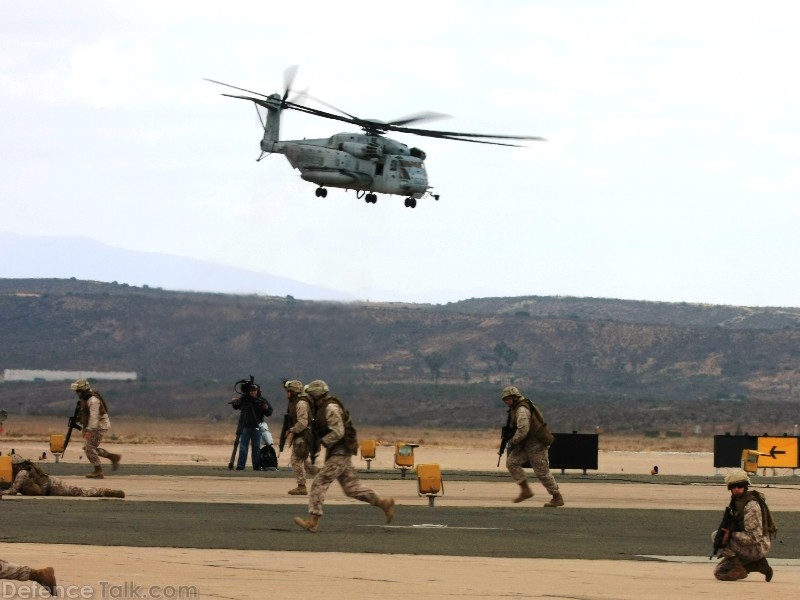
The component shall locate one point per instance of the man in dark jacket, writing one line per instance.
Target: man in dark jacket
(253, 408)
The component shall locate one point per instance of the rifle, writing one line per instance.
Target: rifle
(72, 423)
(727, 523)
(506, 433)
(314, 450)
(284, 431)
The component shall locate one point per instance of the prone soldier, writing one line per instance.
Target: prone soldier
(30, 480)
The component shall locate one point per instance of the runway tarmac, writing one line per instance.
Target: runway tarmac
(188, 528)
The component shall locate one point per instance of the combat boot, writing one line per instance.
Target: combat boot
(97, 473)
(300, 490)
(760, 566)
(387, 506)
(46, 578)
(730, 569)
(555, 501)
(311, 524)
(525, 492)
(113, 493)
(115, 458)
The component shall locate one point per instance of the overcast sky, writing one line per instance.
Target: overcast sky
(672, 170)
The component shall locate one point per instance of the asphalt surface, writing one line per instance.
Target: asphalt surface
(491, 532)
(204, 470)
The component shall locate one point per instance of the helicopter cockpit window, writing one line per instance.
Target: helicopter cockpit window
(393, 166)
(412, 164)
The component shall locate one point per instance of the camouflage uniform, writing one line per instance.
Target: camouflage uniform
(16, 572)
(749, 541)
(338, 465)
(97, 425)
(335, 431)
(525, 448)
(300, 461)
(27, 484)
(45, 577)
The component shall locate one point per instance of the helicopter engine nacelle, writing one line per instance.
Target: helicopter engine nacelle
(368, 151)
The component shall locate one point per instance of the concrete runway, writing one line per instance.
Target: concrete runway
(227, 534)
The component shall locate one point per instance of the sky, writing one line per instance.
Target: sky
(671, 170)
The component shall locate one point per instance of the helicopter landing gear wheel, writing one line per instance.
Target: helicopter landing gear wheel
(371, 199)
(411, 203)
(320, 192)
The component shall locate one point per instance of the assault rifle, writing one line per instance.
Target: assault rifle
(506, 433)
(72, 423)
(315, 443)
(284, 431)
(726, 525)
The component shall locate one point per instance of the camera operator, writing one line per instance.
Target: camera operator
(253, 408)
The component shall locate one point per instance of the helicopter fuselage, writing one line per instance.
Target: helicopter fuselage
(357, 161)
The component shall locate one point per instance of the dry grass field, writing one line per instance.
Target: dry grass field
(145, 431)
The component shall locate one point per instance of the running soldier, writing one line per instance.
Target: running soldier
(335, 431)
(299, 435)
(746, 543)
(30, 480)
(529, 443)
(44, 577)
(95, 423)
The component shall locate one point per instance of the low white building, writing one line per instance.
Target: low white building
(48, 375)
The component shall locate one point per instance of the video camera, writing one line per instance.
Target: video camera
(243, 386)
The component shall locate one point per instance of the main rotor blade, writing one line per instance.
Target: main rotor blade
(425, 115)
(374, 126)
(462, 136)
(331, 106)
(235, 88)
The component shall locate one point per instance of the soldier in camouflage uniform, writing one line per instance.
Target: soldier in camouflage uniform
(95, 424)
(746, 544)
(335, 431)
(529, 443)
(299, 435)
(44, 577)
(30, 480)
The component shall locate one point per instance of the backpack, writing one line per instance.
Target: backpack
(770, 528)
(267, 459)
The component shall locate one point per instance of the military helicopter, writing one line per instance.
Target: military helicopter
(368, 163)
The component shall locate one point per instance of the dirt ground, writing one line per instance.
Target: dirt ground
(127, 572)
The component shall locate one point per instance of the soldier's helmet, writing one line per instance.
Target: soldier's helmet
(737, 476)
(17, 459)
(317, 389)
(510, 391)
(81, 385)
(294, 386)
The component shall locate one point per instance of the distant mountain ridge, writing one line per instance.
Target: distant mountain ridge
(591, 362)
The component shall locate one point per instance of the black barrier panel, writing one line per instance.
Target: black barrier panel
(728, 449)
(574, 451)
